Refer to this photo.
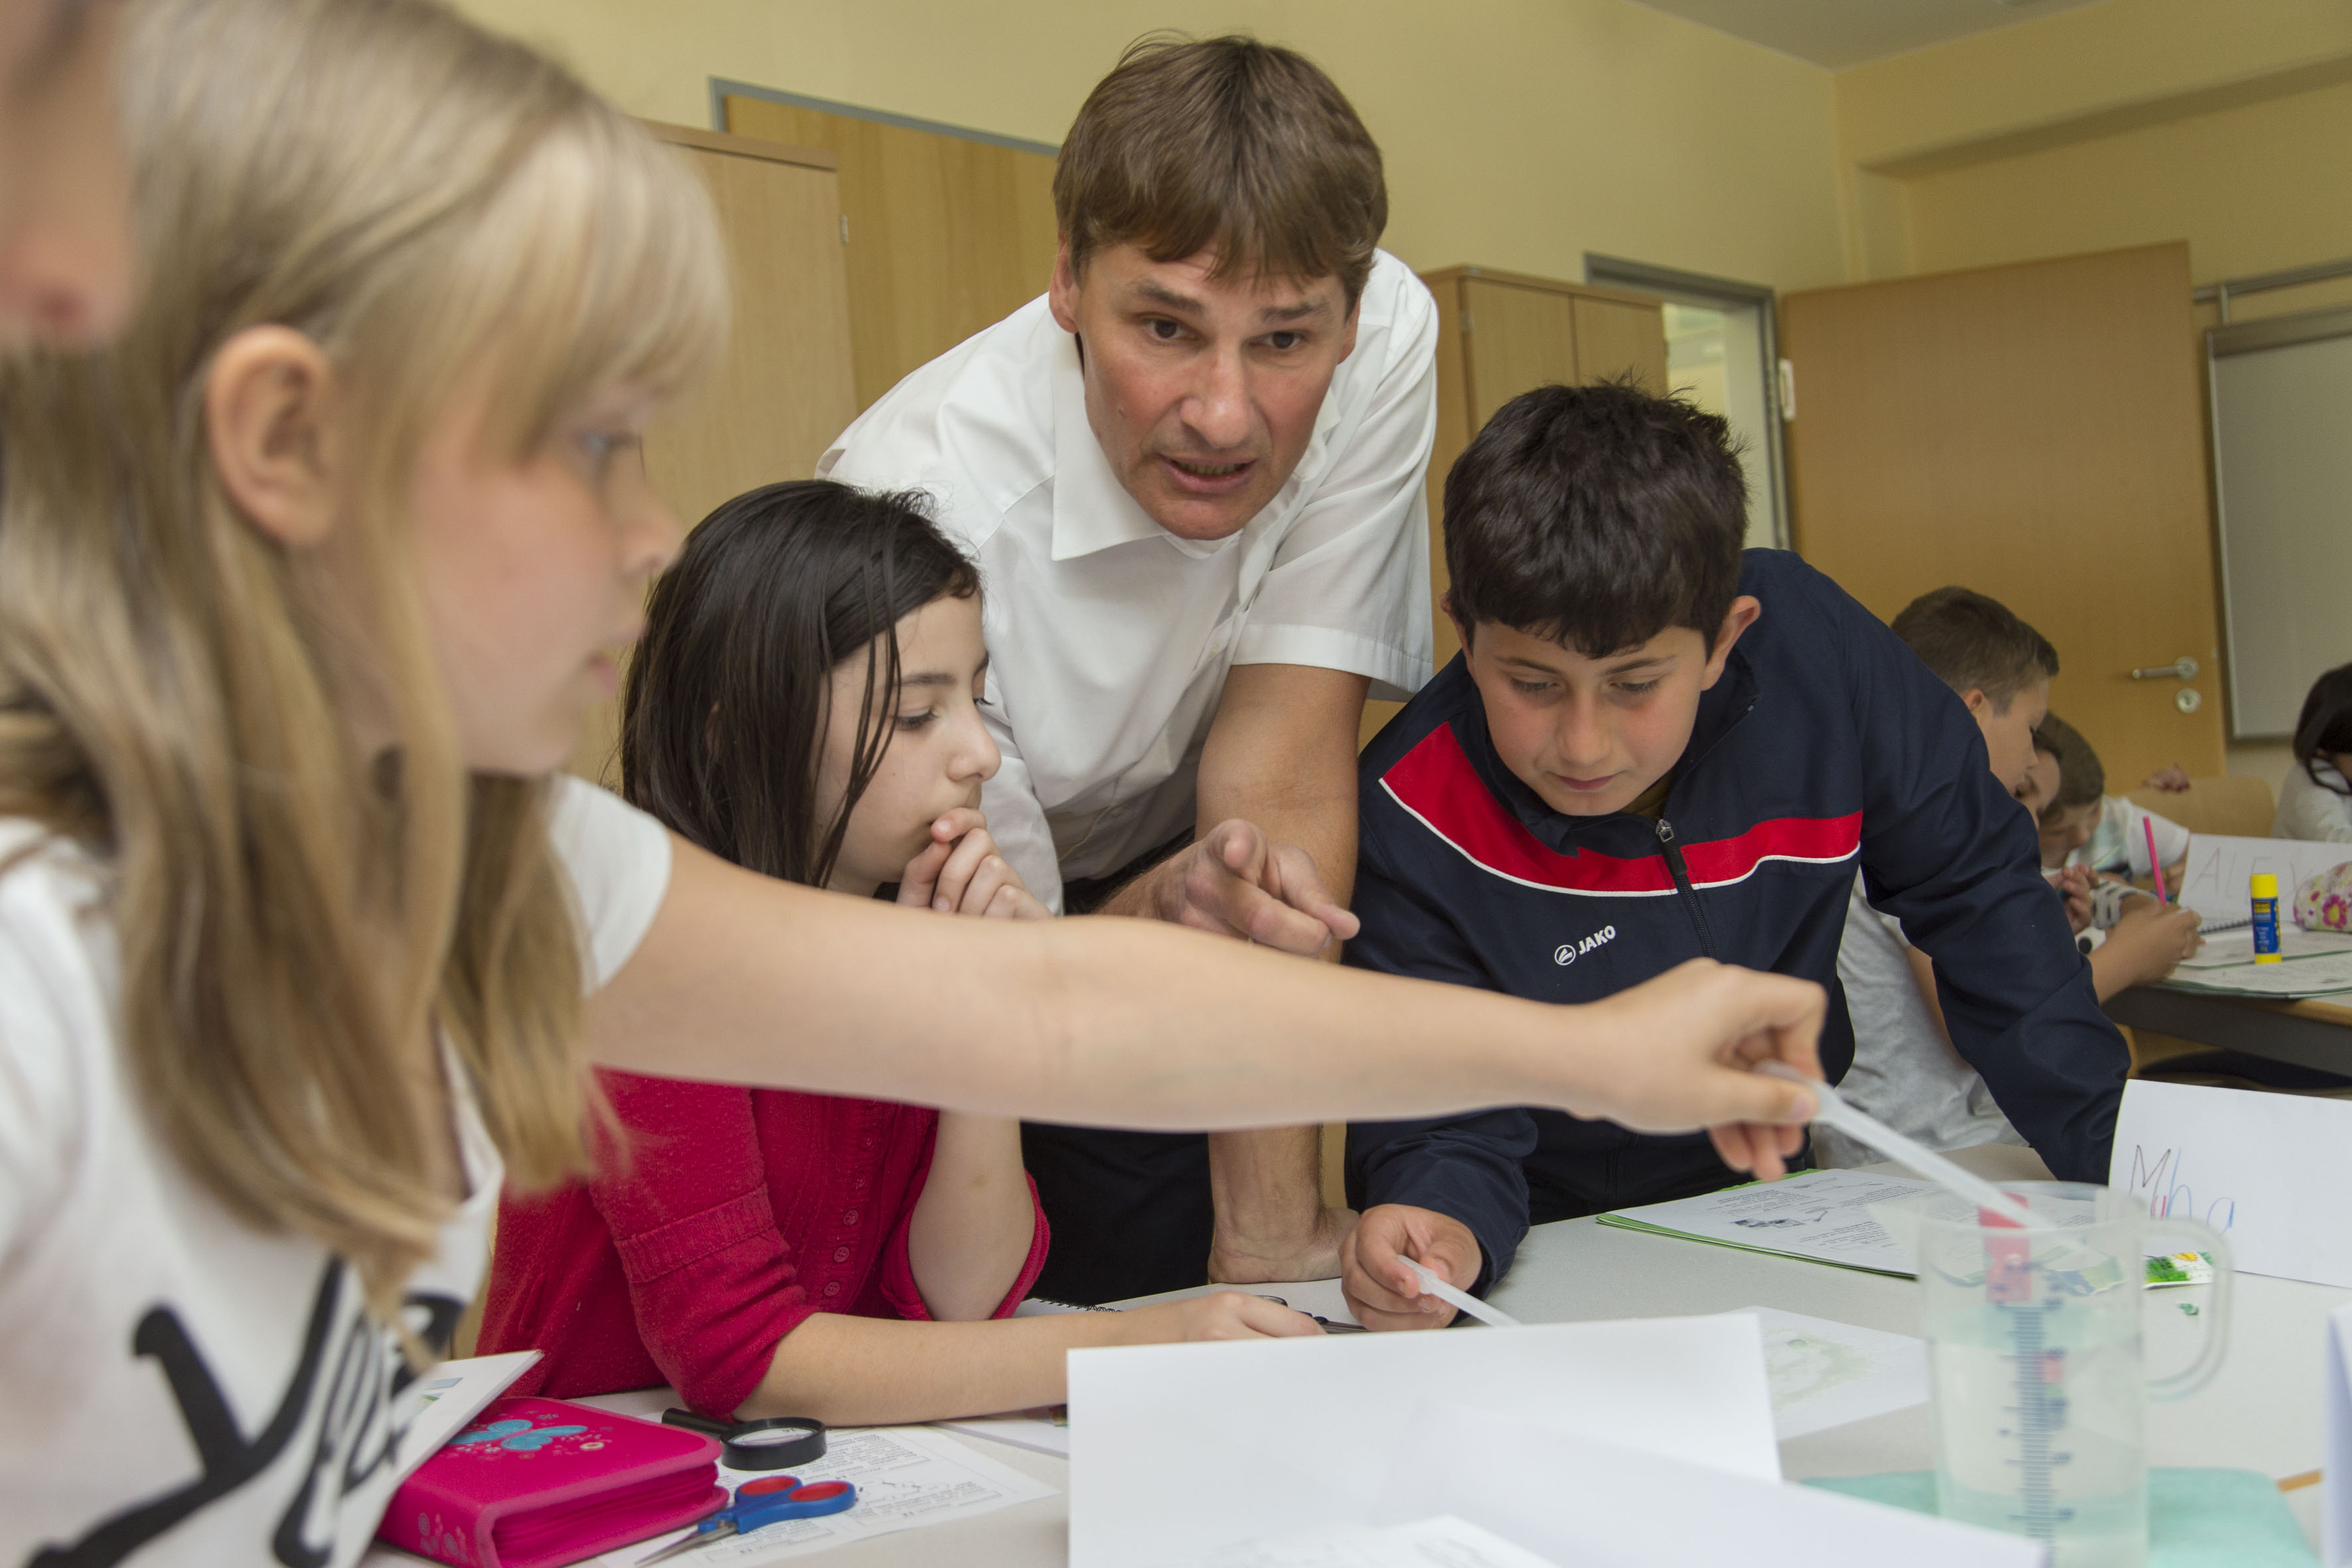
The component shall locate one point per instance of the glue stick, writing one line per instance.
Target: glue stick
(2265, 894)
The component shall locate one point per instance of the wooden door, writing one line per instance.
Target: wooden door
(2035, 432)
(946, 235)
(783, 389)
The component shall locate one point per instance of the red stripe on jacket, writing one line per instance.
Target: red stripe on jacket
(1439, 785)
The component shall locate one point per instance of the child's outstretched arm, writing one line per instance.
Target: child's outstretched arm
(873, 1371)
(744, 979)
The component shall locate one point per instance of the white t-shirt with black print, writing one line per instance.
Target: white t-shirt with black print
(174, 1385)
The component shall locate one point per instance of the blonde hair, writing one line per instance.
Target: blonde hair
(425, 201)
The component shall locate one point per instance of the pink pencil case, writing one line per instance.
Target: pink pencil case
(533, 1483)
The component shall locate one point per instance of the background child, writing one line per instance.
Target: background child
(806, 704)
(1906, 1071)
(2316, 802)
(2084, 826)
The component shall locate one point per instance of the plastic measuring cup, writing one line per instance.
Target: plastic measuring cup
(2040, 1394)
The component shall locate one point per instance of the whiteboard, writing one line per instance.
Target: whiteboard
(2282, 475)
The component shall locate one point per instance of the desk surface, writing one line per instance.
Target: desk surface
(2309, 1033)
(2261, 1413)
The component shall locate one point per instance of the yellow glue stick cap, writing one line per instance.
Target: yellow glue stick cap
(2265, 884)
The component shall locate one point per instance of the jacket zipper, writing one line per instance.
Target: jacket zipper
(1688, 894)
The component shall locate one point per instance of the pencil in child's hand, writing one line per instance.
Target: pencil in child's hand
(2155, 867)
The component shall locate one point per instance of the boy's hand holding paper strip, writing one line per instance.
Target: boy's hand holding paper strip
(1461, 1300)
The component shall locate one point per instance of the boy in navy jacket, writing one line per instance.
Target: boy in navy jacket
(1655, 748)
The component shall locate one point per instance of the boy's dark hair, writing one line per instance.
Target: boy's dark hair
(1223, 144)
(2081, 778)
(1597, 517)
(2324, 727)
(723, 717)
(1975, 643)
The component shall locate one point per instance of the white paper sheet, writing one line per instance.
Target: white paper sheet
(1591, 1504)
(1294, 1433)
(1825, 1374)
(2335, 1475)
(1818, 1216)
(2259, 1168)
(2287, 978)
(906, 1477)
(2214, 880)
(1441, 1543)
(448, 1396)
(2229, 949)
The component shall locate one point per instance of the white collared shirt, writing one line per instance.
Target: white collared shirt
(1108, 637)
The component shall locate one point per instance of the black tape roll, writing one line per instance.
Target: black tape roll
(772, 1442)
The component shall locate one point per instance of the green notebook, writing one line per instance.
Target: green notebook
(2195, 1519)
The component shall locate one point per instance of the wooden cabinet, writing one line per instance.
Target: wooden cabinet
(783, 389)
(946, 234)
(1500, 335)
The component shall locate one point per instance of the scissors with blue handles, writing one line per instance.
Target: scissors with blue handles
(771, 1499)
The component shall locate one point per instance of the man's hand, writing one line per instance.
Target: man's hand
(1236, 881)
(1679, 1050)
(960, 873)
(1316, 1258)
(1385, 1294)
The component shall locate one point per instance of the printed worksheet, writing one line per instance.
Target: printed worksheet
(1826, 1373)
(1819, 1216)
(907, 1477)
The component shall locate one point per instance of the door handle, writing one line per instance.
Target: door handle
(2182, 668)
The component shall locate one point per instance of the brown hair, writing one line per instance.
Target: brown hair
(2081, 778)
(1975, 643)
(1226, 144)
(1597, 517)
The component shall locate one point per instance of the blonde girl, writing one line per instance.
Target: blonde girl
(303, 584)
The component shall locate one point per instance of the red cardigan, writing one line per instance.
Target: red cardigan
(737, 1213)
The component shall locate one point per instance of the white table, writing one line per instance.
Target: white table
(2263, 1413)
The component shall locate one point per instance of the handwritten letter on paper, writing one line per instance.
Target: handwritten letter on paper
(2259, 1168)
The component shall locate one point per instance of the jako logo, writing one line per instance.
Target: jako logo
(1567, 952)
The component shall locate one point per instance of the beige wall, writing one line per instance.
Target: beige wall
(2253, 189)
(1519, 134)
(2121, 124)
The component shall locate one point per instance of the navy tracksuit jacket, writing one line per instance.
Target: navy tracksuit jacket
(1825, 745)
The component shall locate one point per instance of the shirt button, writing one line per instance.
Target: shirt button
(832, 1288)
(840, 1255)
(849, 1216)
(857, 1184)
(866, 1141)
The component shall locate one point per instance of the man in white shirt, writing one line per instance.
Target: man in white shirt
(1192, 475)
